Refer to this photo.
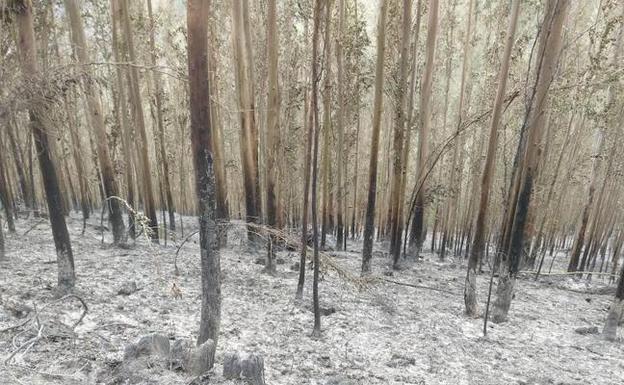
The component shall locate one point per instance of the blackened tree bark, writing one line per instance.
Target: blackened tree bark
(272, 127)
(369, 226)
(616, 310)
(552, 27)
(201, 131)
(28, 51)
(399, 135)
(316, 331)
(417, 235)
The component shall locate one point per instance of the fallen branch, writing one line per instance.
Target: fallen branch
(416, 286)
(31, 342)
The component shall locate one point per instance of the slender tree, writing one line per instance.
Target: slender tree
(552, 28)
(399, 135)
(246, 103)
(369, 226)
(478, 242)
(158, 96)
(272, 125)
(96, 119)
(28, 50)
(316, 331)
(340, 192)
(139, 121)
(198, 15)
(417, 230)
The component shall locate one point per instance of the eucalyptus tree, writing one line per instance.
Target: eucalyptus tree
(198, 15)
(23, 10)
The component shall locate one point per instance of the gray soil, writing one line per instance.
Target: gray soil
(384, 334)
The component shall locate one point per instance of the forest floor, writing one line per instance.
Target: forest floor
(384, 334)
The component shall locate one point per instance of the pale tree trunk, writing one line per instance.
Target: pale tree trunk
(416, 233)
(28, 52)
(409, 127)
(223, 214)
(5, 191)
(20, 166)
(478, 242)
(201, 131)
(121, 111)
(552, 27)
(399, 135)
(96, 118)
(246, 104)
(159, 119)
(340, 191)
(369, 226)
(309, 118)
(272, 126)
(326, 156)
(316, 331)
(139, 120)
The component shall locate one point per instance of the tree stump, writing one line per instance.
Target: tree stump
(246, 366)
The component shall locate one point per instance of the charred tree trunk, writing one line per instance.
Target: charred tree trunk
(417, 233)
(201, 131)
(272, 127)
(369, 226)
(552, 27)
(28, 51)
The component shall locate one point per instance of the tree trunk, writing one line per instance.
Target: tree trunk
(417, 234)
(246, 103)
(476, 253)
(28, 51)
(139, 120)
(96, 119)
(327, 137)
(399, 135)
(552, 27)
(160, 122)
(369, 226)
(272, 126)
(316, 331)
(340, 192)
(122, 112)
(201, 131)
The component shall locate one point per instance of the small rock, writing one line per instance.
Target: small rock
(128, 288)
(201, 358)
(17, 309)
(388, 273)
(587, 330)
(153, 344)
(328, 311)
(294, 266)
(260, 261)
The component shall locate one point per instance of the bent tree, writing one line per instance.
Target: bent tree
(197, 17)
(28, 50)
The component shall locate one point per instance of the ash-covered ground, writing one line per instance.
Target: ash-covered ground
(383, 334)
